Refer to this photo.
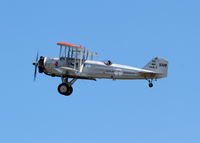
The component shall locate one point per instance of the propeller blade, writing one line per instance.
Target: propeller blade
(36, 65)
(35, 73)
(37, 56)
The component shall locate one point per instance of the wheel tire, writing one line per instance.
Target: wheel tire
(65, 89)
(70, 90)
(150, 85)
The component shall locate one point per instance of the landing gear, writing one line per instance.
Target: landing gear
(150, 85)
(65, 88)
(150, 82)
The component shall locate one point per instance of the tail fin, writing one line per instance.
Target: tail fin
(158, 65)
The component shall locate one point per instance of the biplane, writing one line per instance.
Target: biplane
(76, 62)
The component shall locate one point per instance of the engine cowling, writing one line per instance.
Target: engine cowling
(41, 64)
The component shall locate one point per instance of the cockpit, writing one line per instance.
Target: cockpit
(108, 62)
(74, 55)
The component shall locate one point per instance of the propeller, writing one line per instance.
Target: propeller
(36, 66)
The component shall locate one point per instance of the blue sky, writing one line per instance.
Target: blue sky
(127, 32)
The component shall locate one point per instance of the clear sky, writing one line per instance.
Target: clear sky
(129, 32)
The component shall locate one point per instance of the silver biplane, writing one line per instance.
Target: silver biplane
(76, 62)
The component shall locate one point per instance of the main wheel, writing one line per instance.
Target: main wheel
(70, 90)
(65, 89)
(150, 85)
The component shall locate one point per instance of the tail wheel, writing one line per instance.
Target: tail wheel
(150, 85)
(65, 89)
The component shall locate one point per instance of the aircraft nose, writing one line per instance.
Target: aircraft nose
(41, 64)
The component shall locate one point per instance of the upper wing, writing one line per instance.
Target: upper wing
(70, 45)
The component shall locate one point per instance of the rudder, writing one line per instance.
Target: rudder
(158, 65)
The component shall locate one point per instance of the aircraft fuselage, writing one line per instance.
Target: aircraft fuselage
(94, 69)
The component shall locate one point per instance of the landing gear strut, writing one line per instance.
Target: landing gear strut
(65, 88)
